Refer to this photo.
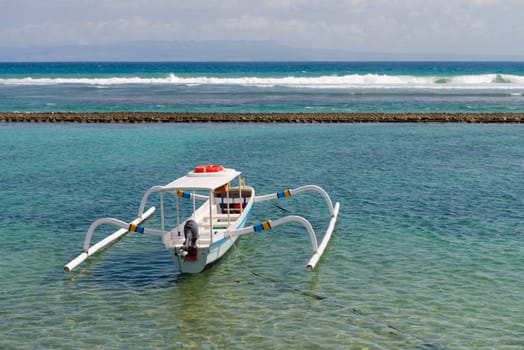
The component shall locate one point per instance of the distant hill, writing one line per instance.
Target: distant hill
(211, 51)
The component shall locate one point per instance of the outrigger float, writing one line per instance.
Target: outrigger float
(213, 227)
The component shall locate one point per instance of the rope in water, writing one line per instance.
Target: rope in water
(423, 343)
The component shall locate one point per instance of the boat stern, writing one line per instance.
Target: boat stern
(189, 262)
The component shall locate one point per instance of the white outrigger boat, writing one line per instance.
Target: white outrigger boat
(213, 227)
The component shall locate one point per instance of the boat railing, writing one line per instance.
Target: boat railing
(178, 192)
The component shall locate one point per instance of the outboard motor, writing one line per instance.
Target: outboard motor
(191, 234)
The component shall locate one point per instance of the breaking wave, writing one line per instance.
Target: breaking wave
(367, 81)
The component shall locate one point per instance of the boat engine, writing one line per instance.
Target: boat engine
(191, 235)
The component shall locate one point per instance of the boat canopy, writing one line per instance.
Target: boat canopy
(203, 181)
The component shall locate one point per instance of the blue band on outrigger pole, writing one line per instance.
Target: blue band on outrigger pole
(282, 194)
(262, 226)
(136, 228)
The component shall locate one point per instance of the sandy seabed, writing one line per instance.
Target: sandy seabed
(182, 117)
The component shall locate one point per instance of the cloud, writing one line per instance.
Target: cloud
(378, 25)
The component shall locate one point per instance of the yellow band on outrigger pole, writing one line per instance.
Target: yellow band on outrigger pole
(285, 193)
(262, 226)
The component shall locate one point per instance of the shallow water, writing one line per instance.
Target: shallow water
(427, 252)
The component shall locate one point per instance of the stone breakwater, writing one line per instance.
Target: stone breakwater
(181, 117)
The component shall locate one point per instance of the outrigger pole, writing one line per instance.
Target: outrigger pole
(269, 224)
(124, 228)
(317, 254)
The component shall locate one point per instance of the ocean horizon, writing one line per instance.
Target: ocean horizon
(263, 87)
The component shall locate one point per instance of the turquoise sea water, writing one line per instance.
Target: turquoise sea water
(428, 251)
(263, 87)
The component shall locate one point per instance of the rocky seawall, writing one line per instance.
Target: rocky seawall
(153, 117)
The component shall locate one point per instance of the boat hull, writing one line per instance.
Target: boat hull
(206, 256)
(209, 255)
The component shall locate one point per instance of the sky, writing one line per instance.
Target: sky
(473, 27)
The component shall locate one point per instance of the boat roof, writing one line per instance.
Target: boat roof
(203, 181)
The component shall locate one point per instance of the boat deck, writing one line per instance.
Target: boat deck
(219, 225)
